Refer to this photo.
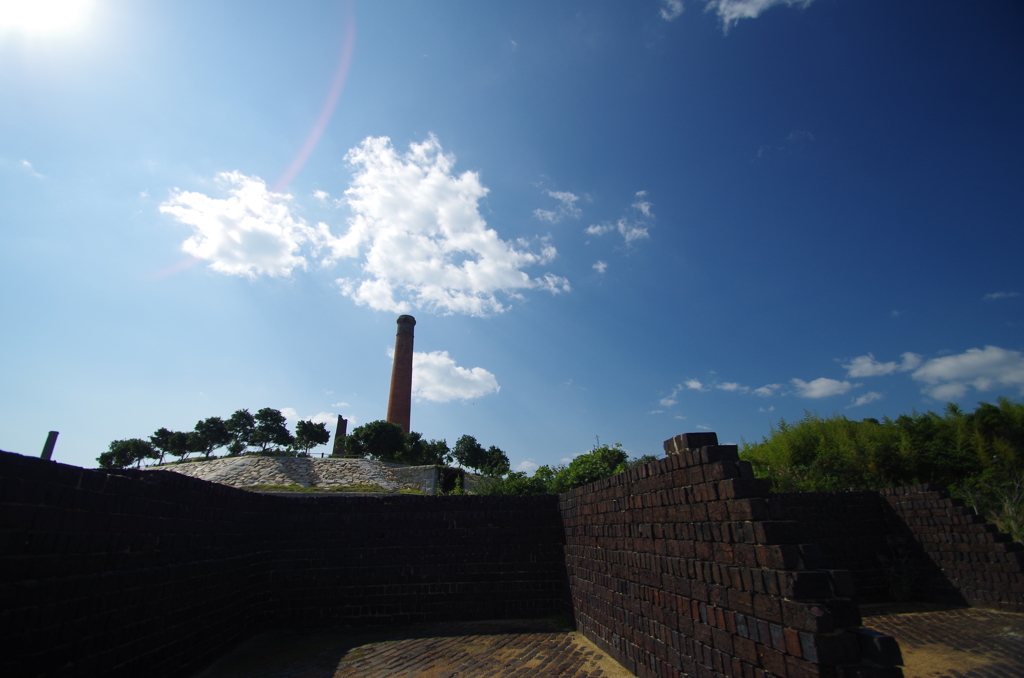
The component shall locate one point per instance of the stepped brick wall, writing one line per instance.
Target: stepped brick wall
(685, 566)
(155, 573)
(969, 557)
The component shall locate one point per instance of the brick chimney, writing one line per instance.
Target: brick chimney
(400, 400)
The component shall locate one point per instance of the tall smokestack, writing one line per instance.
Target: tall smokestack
(400, 400)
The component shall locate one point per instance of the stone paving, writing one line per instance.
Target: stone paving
(953, 642)
(328, 474)
(505, 649)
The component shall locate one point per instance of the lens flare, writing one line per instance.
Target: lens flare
(328, 108)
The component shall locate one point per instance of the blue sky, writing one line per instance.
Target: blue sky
(622, 220)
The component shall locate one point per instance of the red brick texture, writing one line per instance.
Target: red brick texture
(981, 564)
(686, 566)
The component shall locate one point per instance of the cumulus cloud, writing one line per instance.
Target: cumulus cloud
(600, 266)
(251, 232)
(322, 196)
(984, 369)
(869, 397)
(527, 466)
(339, 405)
(436, 377)
(695, 385)
(992, 296)
(425, 245)
(566, 209)
(731, 11)
(670, 9)
(732, 386)
(867, 366)
(821, 387)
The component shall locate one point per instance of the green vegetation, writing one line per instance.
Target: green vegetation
(978, 456)
(264, 433)
(601, 462)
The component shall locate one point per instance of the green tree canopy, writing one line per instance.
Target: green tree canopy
(242, 426)
(174, 443)
(124, 453)
(382, 440)
(271, 429)
(209, 434)
(309, 435)
(471, 454)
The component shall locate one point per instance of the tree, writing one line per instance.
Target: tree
(210, 434)
(271, 429)
(308, 435)
(174, 443)
(421, 452)
(600, 462)
(383, 440)
(241, 425)
(124, 453)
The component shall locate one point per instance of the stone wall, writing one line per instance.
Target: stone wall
(154, 573)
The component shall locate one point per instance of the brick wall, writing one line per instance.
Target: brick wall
(970, 558)
(853, 531)
(686, 566)
(156, 573)
(683, 566)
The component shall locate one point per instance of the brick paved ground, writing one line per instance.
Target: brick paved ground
(936, 642)
(503, 649)
(954, 642)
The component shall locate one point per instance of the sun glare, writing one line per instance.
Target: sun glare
(43, 17)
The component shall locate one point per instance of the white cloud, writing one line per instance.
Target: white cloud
(322, 196)
(31, 170)
(731, 11)
(999, 295)
(642, 204)
(629, 228)
(251, 232)
(821, 388)
(425, 243)
(527, 466)
(567, 208)
(767, 390)
(671, 9)
(679, 416)
(661, 411)
(436, 377)
(340, 405)
(144, 193)
(770, 409)
(600, 267)
(869, 397)
(670, 399)
(695, 385)
(705, 428)
(983, 369)
(732, 386)
(867, 366)
(289, 413)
